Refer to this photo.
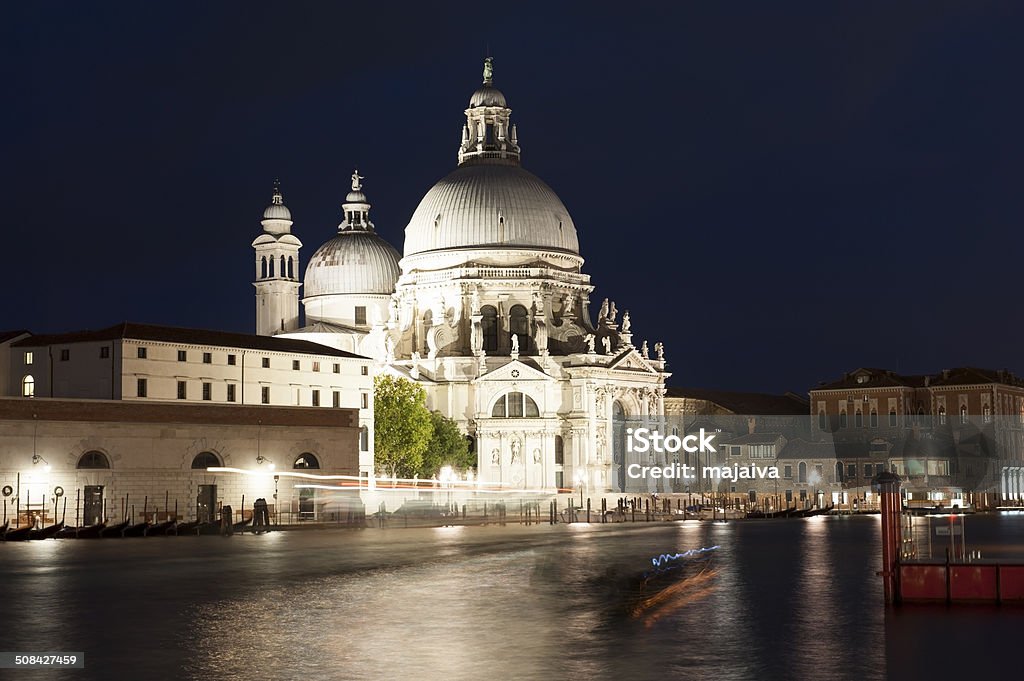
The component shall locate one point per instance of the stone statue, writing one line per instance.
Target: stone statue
(515, 344)
(356, 184)
(602, 315)
(389, 349)
(536, 456)
(393, 310)
(515, 451)
(538, 304)
(606, 341)
(488, 70)
(612, 313)
(495, 457)
(626, 324)
(474, 302)
(568, 305)
(644, 352)
(659, 349)
(589, 338)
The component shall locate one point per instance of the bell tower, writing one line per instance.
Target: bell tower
(277, 266)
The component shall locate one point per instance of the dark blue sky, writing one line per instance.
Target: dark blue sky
(778, 191)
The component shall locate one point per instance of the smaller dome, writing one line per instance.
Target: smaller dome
(487, 96)
(354, 262)
(356, 197)
(277, 211)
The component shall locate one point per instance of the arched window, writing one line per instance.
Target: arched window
(204, 460)
(489, 326)
(263, 267)
(839, 471)
(892, 418)
(93, 460)
(858, 419)
(28, 386)
(963, 413)
(842, 419)
(515, 405)
(519, 325)
(559, 450)
(306, 461)
(874, 419)
(364, 439)
(802, 472)
(270, 271)
(942, 416)
(291, 267)
(822, 421)
(284, 269)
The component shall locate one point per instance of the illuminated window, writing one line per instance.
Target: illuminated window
(515, 405)
(28, 386)
(942, 416)
(29, 358)
(316, 366)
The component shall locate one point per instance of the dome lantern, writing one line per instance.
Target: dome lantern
(356, 208)
(488, 133)
(277, 219)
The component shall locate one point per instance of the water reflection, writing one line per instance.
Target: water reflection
(789, 599)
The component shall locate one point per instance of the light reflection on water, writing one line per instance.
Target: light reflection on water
(790, 599)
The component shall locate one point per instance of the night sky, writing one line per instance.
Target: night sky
(778, 191)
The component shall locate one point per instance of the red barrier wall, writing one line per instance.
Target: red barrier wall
(923, 582)
(973, 583)
(1011, 583)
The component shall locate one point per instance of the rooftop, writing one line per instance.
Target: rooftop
(762, 404)
(174, 334)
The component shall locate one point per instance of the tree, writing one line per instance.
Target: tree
(447, 447)
(402, 426)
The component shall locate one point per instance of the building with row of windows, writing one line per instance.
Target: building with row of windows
(957, 430)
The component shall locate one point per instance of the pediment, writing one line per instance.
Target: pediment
(631, 360)
(516, 371)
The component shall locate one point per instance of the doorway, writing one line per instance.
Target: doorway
(206, 503)
(92, 508)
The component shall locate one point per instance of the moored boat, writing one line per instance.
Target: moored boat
(49, 532)
(90, 531)
(160, 529)
(114, 530)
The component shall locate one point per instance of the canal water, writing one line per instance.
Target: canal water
(789, 599)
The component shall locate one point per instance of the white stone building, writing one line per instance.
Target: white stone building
(489, 310)
(193, 366)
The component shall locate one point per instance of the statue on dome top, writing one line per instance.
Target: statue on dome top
(488, 70)
(356, 177)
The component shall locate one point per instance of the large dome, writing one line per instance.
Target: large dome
(354, 262)
(482, 204)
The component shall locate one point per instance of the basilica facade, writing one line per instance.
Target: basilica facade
(488, 308)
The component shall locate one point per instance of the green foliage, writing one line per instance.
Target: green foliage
(447, 447)
(402, 426)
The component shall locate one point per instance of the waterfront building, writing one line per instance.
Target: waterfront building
(959, 430)
(98, 456)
